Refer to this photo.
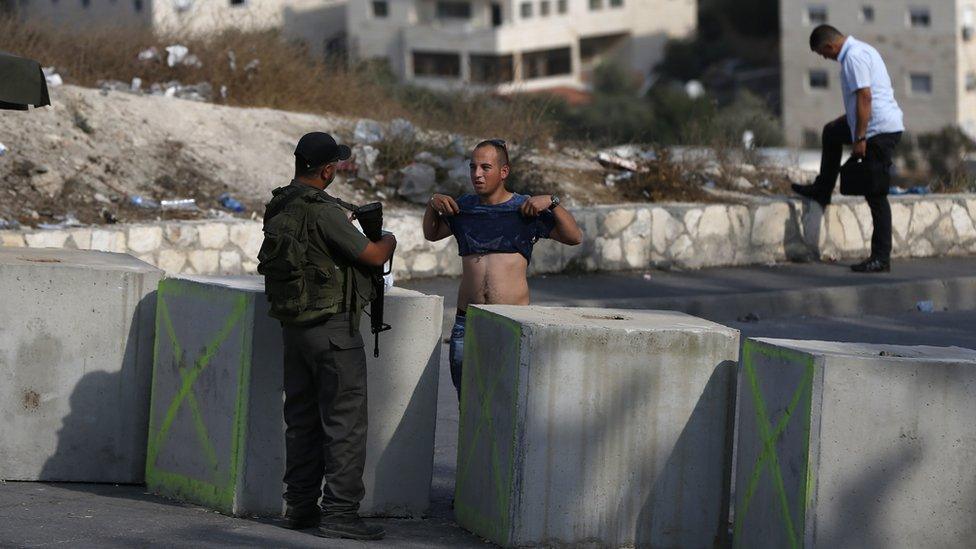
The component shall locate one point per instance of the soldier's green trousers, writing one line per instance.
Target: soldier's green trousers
(325, 415)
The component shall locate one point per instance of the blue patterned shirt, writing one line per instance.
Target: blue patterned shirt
(498, 228)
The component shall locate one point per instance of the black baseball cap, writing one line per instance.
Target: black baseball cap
(318, 148)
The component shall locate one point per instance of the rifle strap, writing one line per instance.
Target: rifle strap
(280, 206)
(352, 291)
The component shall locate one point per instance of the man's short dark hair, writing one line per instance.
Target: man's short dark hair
(500, 147)
(823, 35)
(304, 170)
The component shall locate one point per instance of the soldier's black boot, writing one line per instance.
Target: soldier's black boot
(872, 265)
(302, 516)
(350, 527)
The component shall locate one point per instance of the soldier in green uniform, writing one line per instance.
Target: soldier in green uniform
(315, 263)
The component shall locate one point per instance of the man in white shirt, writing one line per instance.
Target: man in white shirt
(873, 124)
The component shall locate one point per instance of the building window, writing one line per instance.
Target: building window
(526, 10)
(544, 8)
(237, 2)
(454, 10)
(616, 3)
(867, 14)
(919, 18)
(920, 83)
(596, 5)
(85, 3)
(818, 79)
(492, 69)
(816, 15)
(496, 14)
(381, 9)
(971, 81)
(444, 65)
(540, 64)
(137, 5)
(561, 6)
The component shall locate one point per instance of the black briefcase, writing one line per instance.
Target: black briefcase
(864, 177)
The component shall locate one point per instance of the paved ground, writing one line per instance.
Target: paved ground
(85, 515)
(78, 515)
(727, 294)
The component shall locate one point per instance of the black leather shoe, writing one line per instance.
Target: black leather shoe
(303, 516)
(872, 266)
(350, 527)
(813, 192)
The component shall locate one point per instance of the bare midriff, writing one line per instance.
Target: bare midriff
(495, 278)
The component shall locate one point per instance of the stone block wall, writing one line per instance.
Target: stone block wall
(620, 237)
(929, 226)
(190, 247)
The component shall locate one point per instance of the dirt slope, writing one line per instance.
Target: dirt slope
(88, 148)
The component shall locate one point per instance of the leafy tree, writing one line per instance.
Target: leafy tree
(611, 119)
(613, 79)
(746, 30)
(747, 112)
(679, 118)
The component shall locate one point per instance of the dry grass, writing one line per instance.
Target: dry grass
(665, 180)
(287, 77)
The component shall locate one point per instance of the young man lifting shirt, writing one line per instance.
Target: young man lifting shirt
(495, 230)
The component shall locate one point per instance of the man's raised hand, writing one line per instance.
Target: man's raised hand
(444, 205)
(535, 205)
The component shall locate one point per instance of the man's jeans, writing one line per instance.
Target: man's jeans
(881, 147)
(457, 352)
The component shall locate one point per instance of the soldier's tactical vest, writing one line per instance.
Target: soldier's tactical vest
(298, 289)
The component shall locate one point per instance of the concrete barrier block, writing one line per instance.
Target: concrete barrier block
(76, 339)
(595, 427)
(216, 434)
(854, 445)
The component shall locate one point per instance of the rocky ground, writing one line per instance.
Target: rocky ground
(109, 156)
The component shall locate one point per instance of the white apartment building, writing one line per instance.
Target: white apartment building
(511, 45)
(929, 47)
(316, 21)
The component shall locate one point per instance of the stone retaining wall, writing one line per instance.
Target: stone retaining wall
(615, 237)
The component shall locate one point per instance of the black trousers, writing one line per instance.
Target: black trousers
(325, 415)
(836, 134)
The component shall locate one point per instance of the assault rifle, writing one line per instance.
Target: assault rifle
(370, 218)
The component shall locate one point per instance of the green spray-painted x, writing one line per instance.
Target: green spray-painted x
(768, 458)
(188, 378)
(485, 394)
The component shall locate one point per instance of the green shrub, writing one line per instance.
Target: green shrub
(747, 112)
(610, 119)
(679, 119)
(614, 79)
